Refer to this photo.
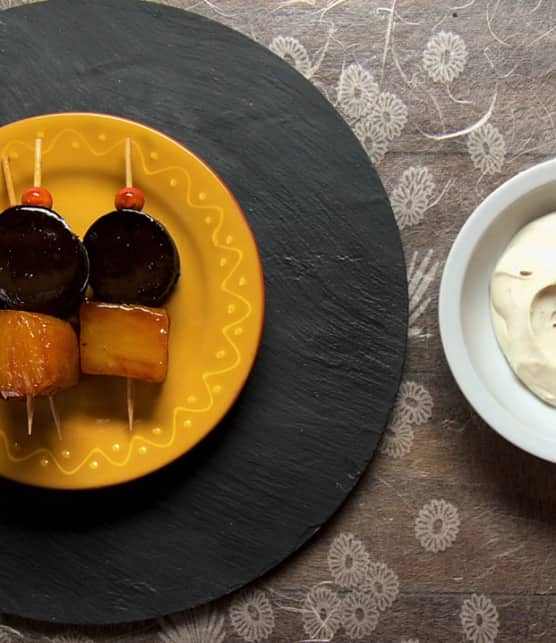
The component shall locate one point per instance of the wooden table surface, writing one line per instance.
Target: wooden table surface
(450, 535)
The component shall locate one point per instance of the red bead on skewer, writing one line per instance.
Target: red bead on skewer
(130, 198)
(38, 196)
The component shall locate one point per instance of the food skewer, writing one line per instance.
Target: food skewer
(44, 271)
(134, 267)
(39, 196)
(129, 187)
(29, 400)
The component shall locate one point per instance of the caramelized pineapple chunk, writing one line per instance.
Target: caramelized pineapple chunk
(129, 341)
(39, 354)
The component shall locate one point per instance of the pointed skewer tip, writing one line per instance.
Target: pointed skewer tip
(55, 415)
(30, 406)
(130, 403)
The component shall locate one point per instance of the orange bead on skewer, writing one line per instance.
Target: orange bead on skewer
(38, 196)
(130, 198)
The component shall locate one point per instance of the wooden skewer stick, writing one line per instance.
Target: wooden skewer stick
(128, 167)
(30, 406)
(8, 179)
(55, 415)
(130, 403)
(129, 184)
(37, 180)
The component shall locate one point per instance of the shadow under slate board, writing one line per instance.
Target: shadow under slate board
(314, 409)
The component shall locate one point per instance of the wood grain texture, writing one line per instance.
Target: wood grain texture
(504, 549)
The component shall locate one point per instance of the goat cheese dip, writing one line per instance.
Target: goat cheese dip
(523, 306)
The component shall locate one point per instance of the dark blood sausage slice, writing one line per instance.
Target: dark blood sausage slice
(44, 267)
(133, 259)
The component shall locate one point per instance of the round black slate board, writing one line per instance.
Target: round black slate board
(320, 394)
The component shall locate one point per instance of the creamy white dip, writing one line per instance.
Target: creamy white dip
(523, 306)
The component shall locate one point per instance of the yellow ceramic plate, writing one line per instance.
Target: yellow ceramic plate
(216, 310)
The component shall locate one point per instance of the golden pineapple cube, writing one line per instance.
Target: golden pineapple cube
(129, 341)
(39, 354)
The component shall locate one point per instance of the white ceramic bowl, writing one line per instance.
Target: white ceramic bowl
(468, 338)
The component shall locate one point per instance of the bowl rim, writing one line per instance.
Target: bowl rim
(449, 309)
